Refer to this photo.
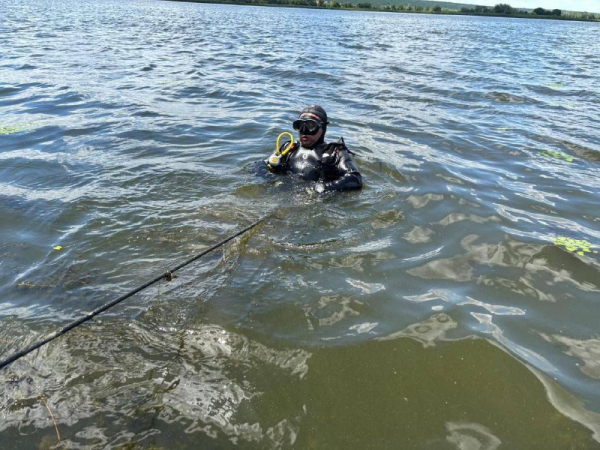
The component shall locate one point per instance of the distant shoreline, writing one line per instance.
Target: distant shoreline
(365, 6)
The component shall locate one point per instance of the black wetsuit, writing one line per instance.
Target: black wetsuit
(330, 164)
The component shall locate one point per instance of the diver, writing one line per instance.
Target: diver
(328, 164)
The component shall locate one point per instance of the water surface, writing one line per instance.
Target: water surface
(443, 306)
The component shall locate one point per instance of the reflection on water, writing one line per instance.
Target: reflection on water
(588, 351)
(197, 378)
(427, 332)
(471, 436)
(450, 304)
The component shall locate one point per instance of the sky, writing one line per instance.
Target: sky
(567, 5)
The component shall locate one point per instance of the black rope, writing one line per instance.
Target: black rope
(90, 315)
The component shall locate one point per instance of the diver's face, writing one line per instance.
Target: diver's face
(309, 128)
(309, 140)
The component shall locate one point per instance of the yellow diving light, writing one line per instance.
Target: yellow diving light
(275, 158)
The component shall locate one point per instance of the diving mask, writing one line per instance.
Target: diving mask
(307, 126)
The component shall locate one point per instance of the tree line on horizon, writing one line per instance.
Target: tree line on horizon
(504, 8)
(501, 9)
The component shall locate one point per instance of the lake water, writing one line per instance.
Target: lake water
(450, 304)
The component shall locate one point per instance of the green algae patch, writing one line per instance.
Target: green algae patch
(578, 246)
(12, 128)
(558, 155)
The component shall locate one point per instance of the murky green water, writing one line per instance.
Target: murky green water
(450, 304)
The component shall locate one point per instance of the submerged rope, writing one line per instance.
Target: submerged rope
(167, 275)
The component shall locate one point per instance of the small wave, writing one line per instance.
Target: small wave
(505, 97)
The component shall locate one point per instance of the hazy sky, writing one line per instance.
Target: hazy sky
(567, 5)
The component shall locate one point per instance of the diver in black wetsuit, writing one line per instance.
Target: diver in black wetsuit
(329, 165)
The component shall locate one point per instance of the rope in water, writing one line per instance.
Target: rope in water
(167, 275)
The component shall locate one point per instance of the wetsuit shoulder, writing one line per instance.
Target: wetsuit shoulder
(341, 172)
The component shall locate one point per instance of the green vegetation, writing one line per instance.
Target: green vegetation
(578, 246)
(423, 6)
(12, 128)
(558, 155)
(505, 9)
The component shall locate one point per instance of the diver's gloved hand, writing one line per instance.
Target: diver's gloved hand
(319, 187)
